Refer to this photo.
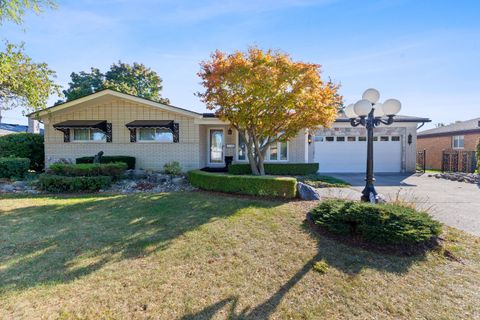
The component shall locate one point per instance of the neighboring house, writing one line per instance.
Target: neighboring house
(9, 128)
(461, 136)
(156, 133)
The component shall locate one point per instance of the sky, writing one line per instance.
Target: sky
(424, 53)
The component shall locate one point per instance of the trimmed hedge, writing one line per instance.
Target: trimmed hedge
(376, 223)
(253, 185)
(24, 145)
(56, 183)
(287, 169)
(130, 161)
(14, 167)
(114, 169)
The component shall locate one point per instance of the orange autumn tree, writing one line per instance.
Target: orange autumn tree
(267, 97)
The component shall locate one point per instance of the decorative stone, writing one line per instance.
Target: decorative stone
(306, 192)
(19, 184)
(8, 188)
(178, 180)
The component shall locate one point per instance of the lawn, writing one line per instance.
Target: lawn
(202, 256)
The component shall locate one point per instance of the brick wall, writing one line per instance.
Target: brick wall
(436, 145)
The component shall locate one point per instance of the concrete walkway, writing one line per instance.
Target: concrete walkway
(456, 204)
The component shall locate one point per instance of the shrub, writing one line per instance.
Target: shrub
(319, 181)
(252, 185)
(114, 169)
(56, 183)
(14, 167)
(130, 161)
(24, 145)
(376, 223)
(288, 169)
(173, 168)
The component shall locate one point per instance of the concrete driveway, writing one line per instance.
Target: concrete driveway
(456, 204)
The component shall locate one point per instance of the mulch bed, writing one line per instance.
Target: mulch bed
(388, 249)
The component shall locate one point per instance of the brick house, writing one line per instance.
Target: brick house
(156, 133)
(461, 136)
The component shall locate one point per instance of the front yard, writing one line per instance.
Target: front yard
(197, 255)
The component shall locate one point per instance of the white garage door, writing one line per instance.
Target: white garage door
(349, 153)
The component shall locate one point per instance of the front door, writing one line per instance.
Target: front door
(216, 141)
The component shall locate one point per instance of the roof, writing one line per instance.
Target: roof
(13, 127)
(461, 127)
(117, 94)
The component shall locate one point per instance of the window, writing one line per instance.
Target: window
(384, 138)
(458, 142)
(276, 152)
(329, 139)
(242, 149)
(351, 139)
(155, 134)
(340, 139)
(362, 138)
(319, 138)
(375, 138)
(395, 138)
(88, 134)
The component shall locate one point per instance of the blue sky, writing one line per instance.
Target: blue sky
(424, 53)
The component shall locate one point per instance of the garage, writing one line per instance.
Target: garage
(349, 153)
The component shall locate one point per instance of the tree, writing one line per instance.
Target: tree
(14, 10)
(23, 82)
(267, 97)
(134, 79)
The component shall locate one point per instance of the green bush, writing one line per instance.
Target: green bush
(173, 167)
(14, 167)
(24, 145)
(114, 169)
(376, 223)
(286, 169)
(130, 161)
(56, 183)
(252, 185)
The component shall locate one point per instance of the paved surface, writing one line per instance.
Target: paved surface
(456, 204)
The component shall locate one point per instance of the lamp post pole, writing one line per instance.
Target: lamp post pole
(369, 113)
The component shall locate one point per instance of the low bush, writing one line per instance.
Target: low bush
(376, 223)
(24, 145)
(114, 169)
(319, 181)
(253, 185)
(130, 161)
(173, 168)
(286, 169)
(56, 183)
(14, 167)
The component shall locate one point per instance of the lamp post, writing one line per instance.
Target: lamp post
(370, 113)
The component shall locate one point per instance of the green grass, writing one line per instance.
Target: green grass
(319, 181)
(201, 256)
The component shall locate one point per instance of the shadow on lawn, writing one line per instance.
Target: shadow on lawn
(339, 256)
(57, 243)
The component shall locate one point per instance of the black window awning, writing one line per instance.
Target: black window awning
(168, 124)
(82, 124)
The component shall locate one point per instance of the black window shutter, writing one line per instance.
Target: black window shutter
(176, 133)
(109, 132)
(133, 134)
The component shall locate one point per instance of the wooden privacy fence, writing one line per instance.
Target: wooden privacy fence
(459, 161)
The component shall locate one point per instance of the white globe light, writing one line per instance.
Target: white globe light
(391, 107)
(349, 112)
(378, 110)
(371, 95)
(362, 107)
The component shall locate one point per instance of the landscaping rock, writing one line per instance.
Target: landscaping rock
(306, 192)
(19, 184)
(459, 177)
(7, 188)
(178, 180)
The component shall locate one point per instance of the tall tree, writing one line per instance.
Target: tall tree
(24, 83)
(267, 97)
(134, 79)
(14, 10)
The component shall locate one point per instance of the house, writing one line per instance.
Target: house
(156, 133)
(9, 128)
(458, 136)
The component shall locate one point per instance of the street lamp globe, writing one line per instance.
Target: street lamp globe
(378, 112)
(371, 95)
(362, 107)
(349, 112)
(391, 107)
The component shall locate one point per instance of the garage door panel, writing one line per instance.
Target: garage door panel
(336, 156)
